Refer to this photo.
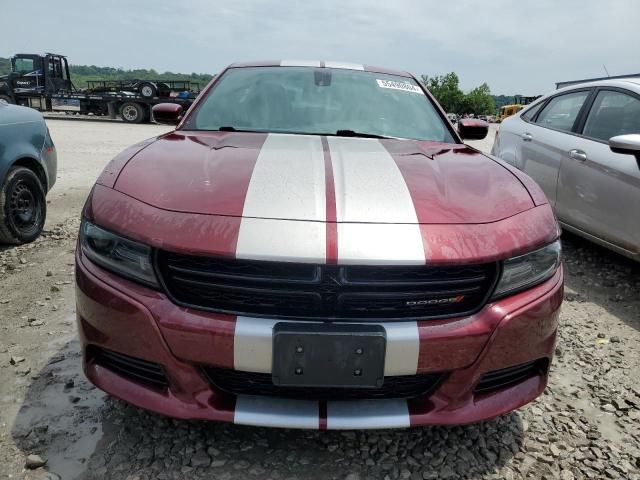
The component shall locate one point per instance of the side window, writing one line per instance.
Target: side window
(529, 114)
(561, 112)
(613, 113)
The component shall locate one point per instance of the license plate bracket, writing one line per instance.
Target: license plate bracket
(328, 355)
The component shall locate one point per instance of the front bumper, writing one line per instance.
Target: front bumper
(120, 316)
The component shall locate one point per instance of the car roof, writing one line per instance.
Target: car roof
(631, 83)
(321, 64)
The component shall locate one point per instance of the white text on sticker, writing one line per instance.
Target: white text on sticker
(405, 86)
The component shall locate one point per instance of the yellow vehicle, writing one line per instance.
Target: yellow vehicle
(520, 101)
(508, 110)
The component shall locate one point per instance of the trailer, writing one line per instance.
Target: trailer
(43, 82)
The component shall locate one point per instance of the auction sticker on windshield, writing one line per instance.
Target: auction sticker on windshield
(407, 87)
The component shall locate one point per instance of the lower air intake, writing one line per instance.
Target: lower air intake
(508, 377)
(247, 383)
(133, 368)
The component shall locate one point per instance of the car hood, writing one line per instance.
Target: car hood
(314, 178)
(14, 114)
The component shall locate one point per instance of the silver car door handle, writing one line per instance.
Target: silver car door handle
(526, 137)
(578, 155)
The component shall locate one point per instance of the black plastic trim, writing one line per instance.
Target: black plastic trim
(129, 367)
(234, 382)
(510, 376)
(496, 273)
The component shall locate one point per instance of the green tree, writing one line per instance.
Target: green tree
(446, 89)
(479, 101)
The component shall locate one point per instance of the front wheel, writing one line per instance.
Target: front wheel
(6, 98)
(23, 207)
(132, 112)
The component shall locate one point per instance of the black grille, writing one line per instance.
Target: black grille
(508, 377)
(297, 290)
(131, 367)
(246, 383)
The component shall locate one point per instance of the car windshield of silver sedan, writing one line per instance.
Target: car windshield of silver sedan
(319, 101)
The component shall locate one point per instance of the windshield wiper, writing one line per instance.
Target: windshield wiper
(228, 128)
(352, 133)
(339, 133)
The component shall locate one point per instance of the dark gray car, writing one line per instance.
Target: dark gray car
(27, 172)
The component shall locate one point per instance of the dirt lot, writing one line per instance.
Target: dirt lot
(587, 425)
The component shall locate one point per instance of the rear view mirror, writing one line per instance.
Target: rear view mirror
(626, 144)
(167, 113)
(472, 129)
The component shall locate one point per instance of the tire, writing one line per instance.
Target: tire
(164, 90)
(147, 90)
(6, 98)
(132, 112)
(23, 207)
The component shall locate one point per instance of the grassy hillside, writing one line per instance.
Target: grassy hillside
(80, 74)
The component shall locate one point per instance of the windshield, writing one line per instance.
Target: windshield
(320, 101)
(23, 65)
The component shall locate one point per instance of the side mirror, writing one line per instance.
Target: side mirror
(472, 129)
(627, 144)
(167, 113)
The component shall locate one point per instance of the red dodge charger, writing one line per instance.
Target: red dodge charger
(314, 246)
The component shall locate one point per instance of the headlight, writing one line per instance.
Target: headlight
(519, 273)
(120, 255)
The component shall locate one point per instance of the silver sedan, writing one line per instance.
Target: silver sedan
(582, 145)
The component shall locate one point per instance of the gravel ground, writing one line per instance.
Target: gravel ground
(586, 425)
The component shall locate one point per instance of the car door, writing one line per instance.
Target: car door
(546, 137)
(598, 190)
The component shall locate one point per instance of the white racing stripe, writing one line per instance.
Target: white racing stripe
(341, 415)
(403, 348)
(300, 63)
(276, 412)
(253, 346)
(362, 414)
(282, 240)
(287, 183)
(379, 244)
(317, 63)
(379, 224)
(288, 179)
(369, 185)
(344, 65)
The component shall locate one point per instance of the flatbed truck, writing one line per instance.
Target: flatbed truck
(43, 82)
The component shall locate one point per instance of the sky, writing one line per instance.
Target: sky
(515, 46)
